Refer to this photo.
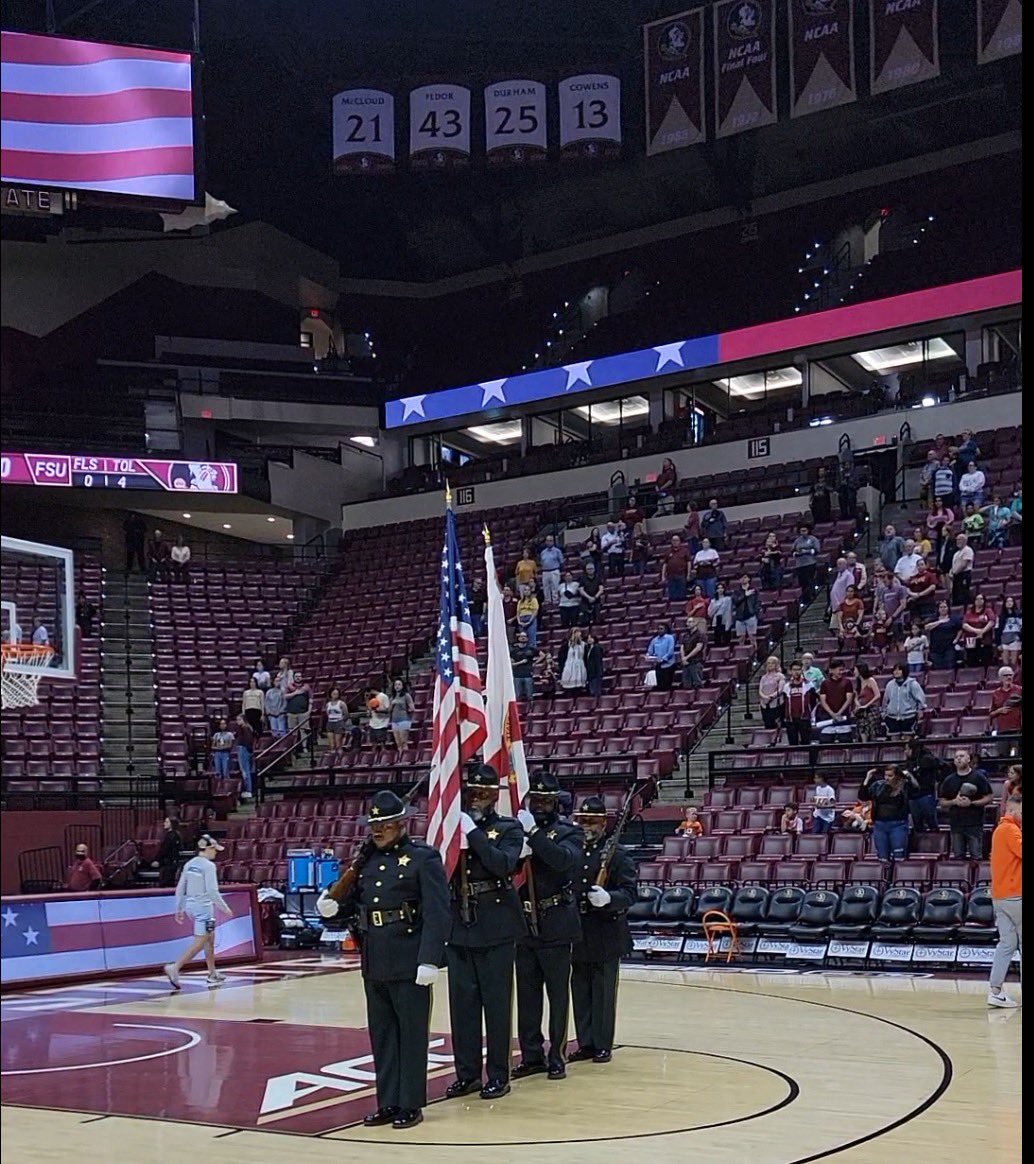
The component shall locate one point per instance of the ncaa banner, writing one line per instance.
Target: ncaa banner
(673, 55)
(902, 43)
(364, 132)
(999, 29)
(744, 65)
(590, 116)
(821, 55)
(515, 123)
(439, 127)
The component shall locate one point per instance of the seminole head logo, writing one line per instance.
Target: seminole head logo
(745, 21)
(674, 41)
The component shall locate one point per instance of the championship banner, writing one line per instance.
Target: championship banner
(744, 66)
(821, 55)
(515, 123)
(999, 29)
(439, 127)
(364, 132)
(590, 116)
(902, 44)
(673, 56)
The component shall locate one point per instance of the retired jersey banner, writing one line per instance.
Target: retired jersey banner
(364, 132)
(673, 52)
(902, 43)
(515, 123)
(744, 65)
(439, 127)
(821, 55)
(590, 116)
(999, 29)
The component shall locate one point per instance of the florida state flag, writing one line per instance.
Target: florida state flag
(821, 55)
(902, 43)
(744, 65)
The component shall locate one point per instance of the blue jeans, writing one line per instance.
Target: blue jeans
(532, 631)
(924, 813)
(222, 763)
(477, 625)
(596, 686)
(818, 825)
(676, 589)
(278, 724)
(891, 839)
(244, 760)
(524, 686)
(708, 586)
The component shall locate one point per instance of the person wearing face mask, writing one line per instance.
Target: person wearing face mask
(487, 920)
(83, 875)
(544, 956)
(596, 958)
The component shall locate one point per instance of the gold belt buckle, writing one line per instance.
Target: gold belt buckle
(376, 919)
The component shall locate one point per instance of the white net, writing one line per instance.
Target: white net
(23, 667)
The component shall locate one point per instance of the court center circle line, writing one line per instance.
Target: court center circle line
(193, 1038)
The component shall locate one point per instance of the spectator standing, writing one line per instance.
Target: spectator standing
(661, 656)
(477, 601)
(593, 592)
(889, 794)
(867, 704)
(336, 711)
(613, 544)
(299, 706)
(691, 654)
(939, 521)
(510, 612)
(526, 570)
(942, 632)
(714, 526)
(843, 580)
(770, 693)
(903, 703)
(252, 704)
(1009, 635)
(594, 665)
(1013, 784)
(821, 501)
(261, 675)
(971, 485)
(592, 549)
(551, 561)
(83, 875)
(798, 706)
(968, 449)
(917, 646)
(284, 675)
(222, 746)
(978, 630)
(40, 634)
(134, 529)
(960, 575)
(85, 613)
(746, 607)
(824, 799)
(889, 594)
(573, 672)
(891, 547)
(275, 707)
(244, 744)
(1006, 716)
(1007, 895)
(675, 571)
(400, 713)
(790, 823)
(926, 769)
(921, 597)
(528, 613)
(973, 524)
(910, 562)
(705, 566)
(836, 701)
(697, 609)
(167, 859)
(964, 793)
(379, 706)
(926, 477)
(522, 659)
(667, 479)
(640, 549)
(570, 599)
(719, 613)
(180, 555)
(805, 554)
(923, 544)
(633, 512)
(691, 530)
(847, 486)
(812, 671)
(771, 568)
(999, 518)
(944, 483)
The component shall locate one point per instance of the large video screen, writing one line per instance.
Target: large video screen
(87, 116)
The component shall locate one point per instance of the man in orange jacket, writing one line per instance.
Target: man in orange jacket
(1006, 892)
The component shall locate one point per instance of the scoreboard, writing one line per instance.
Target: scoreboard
(87, 472)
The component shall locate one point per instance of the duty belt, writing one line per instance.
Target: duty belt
(547, 902)
(375, 918)
(476, 888)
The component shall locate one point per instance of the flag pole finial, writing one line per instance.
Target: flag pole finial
(448, 495)
(486, 535)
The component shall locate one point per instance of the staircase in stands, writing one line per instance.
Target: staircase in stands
(130, 732)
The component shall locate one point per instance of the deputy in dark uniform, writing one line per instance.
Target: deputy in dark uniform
(544, 955)
(400, 906)
(596, 958)
(486, 922)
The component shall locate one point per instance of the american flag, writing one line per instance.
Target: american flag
(459, 707)
(97, 116)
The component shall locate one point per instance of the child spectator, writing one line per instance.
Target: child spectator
(916, 647)
(690, 826)
(824, 798)
(857, 818)
(222, 745)
(790, 822)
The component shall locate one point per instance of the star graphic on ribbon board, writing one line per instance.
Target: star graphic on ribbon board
(492, 390)
(578, 374)
(9, 916)
(669, 354)
(413, 405)
(492, 834)
(405, 860)
(30, 936)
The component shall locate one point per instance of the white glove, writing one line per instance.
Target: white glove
(426, 975)
(526, 819)
(525, 849)
(598, 896)
(467, 824)
(326, 906)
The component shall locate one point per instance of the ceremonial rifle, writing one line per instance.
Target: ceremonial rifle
(611, 847)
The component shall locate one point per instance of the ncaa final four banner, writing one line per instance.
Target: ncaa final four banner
(364, 132)
(744, 66)
(821, 55)
(673, 54)
(439, 127)
(515, 123)
(902, 43)
(999, 30)
(590, 116)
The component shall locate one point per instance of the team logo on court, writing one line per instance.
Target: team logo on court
(673, 43)
(745, 21)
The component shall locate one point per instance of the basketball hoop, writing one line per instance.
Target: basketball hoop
(24, 664)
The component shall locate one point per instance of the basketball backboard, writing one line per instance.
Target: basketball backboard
(37, 595)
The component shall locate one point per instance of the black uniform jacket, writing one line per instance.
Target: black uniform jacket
(556, 855)
(491, 858)
(605, 931)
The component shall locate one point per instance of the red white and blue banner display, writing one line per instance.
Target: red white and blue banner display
(999, 29)
(822, 73)
(673, 60)
(903, 46)
(590, 116)
(92, 934)
(90, 472)
(85, 116)
(364, 132)
(744, 66)
(515, 123)
(439, 127)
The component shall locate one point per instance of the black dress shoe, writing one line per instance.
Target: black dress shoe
(523, 1070)
(495, 1089)
(557, 1070)
(601, 1057)
(462, 1087)
(408, 1118)
(383, 1115)
(581, 1055)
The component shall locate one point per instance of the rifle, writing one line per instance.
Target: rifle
(611, 847)
(532, 902)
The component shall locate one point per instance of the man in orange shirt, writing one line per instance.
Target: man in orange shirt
(1006, 892)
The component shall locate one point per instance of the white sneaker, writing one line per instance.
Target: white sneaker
(172, 974)
(216, 979)
(1001, 999)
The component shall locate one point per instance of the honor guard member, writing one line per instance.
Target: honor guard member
(486, 922)
(605, 938)
(400, 906)
(544, 955)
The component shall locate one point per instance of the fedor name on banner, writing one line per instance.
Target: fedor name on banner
(364, 132)
(590, 116)
(673, 56)
(821, 55)
(999, 30)
(902, 43)
(515, 123)
(439, 127)
(744, 66)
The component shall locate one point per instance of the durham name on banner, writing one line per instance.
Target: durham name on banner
(673, 54)
(515, 123)
(439, 127)
(999, 29)
(364, 132)
(590, 116)
(902, 43)
(821, 55)
(744, 66)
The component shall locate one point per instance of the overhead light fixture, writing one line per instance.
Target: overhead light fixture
(187, 516)
(367, 442)
(503, 432)
(903, 355)
(226, 525)
(270, 519)
(614, 411)
(757, 383)
(290, 537)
